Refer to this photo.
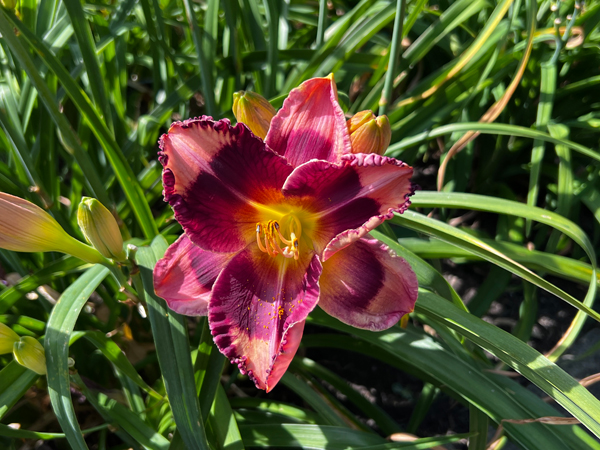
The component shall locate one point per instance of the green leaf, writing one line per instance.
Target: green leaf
(15, 380)
(53, 270)
(531, 364)
(7, 431)
(275, 407)
(87, 47)
(330, 414)
(306, 436)
(123, 172)
(462, 239)
(173, 350)
(60, 326)
(69, 138)
(422, 443)
(223, 424)
(489, 128)
(116, 356)
(560, 266)
(383, 420)
(415, 352)
(126, 419)
(501, 206)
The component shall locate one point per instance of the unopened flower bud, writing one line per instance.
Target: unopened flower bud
(369, 133)
(100, 228)
(9, 4)
(7, 339)
(30, 353)
(25, 227)
(254, 111)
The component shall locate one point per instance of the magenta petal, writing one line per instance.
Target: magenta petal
(310, 125)
(257, 311)
(352, 197)
(185, 276)
(212, 171)
(367, 286)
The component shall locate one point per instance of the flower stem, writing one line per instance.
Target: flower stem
(388, 87)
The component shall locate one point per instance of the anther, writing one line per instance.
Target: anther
(260, 245)
(272, 232)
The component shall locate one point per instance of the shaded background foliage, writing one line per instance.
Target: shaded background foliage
(87, 88)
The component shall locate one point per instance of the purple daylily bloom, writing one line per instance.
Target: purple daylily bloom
(272, 228)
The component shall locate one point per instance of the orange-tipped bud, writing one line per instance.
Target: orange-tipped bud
(30, 353)
(7, 339)
(25, 227)
(369, 133)
(254, 111)
(100, 228)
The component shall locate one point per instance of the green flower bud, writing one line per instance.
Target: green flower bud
(9, 4)
(25, 227)
(254, 111)
(30, 353)
(100, 228)
(7, 339)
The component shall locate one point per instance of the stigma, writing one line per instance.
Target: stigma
(270, 238)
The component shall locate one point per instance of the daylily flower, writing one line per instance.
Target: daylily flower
(272, 228)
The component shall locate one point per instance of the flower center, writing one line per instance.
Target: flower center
(286, 231)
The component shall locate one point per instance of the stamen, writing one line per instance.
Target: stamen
(284, 240)
(295, 243)
(273, 235)
(269, 251)
(260, 245)
(276, 248)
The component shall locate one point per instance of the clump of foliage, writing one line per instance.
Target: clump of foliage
(493, 103)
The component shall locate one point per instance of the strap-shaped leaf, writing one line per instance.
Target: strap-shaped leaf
(115, 355)
(173, 350)
(60, 326)
(463, 239)
(502, 206)
(307, 436)
(415, 352)
(527, 361)
(14, 382)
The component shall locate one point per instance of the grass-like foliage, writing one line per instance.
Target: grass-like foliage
(495, 105)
